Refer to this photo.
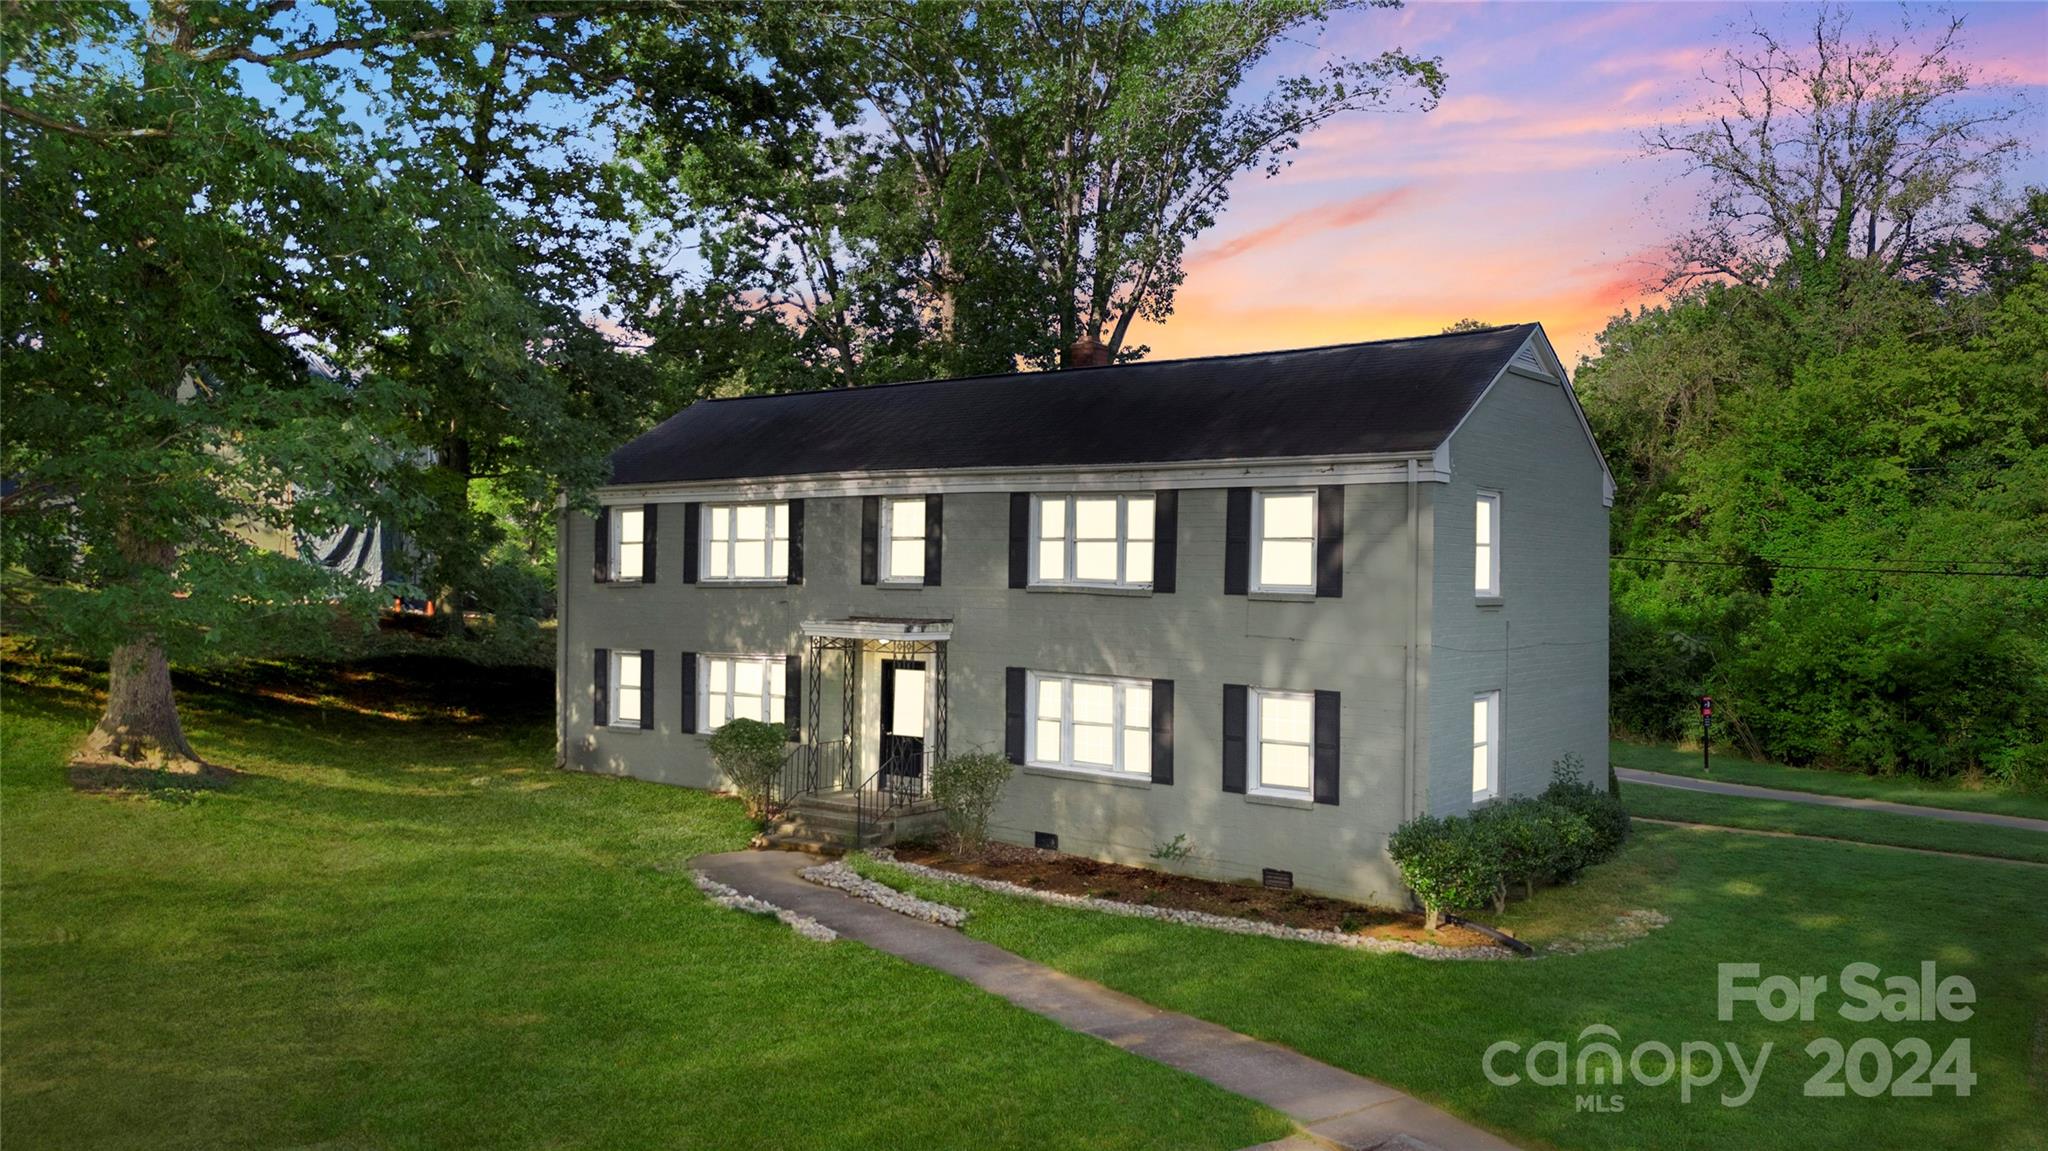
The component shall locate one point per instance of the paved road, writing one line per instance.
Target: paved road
(1330, 1103)
(1713, 787)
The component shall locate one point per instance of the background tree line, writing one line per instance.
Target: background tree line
(1831, 440)
(273, 269)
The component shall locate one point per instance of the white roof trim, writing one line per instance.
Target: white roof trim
(1538, 345)
(1378, 468)
(882, 629)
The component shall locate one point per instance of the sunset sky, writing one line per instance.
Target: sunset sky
(1523, 196)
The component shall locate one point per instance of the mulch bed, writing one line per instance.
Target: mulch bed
(1077, 875)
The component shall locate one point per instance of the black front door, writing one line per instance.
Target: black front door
(903, 702)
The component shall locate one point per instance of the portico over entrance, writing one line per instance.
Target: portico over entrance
(874, 706)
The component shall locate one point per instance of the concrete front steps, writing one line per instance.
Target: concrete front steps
(825, 823)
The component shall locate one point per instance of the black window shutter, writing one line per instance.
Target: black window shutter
(1237, 542)
(1234, 715)
(647, 522)
(601, 688)
(934, 537)
(870, 540)
(1326, 748)
(796, 541)
(686, 687)
(793, 695)
(601, 555)
(1020, 539)
(1165, 539)
(691, 515)
(646, 689)
(1330, 542)
(1013, 714)
(1162, 731)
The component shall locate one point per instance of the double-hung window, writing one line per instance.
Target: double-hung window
(1284, 529)
(1281, 737)
(1486, 546)
(629, 543)
(740, 687)
(1090, 723)
(1485, 745)
(745, 542)
(628, 691)
(1093, 540)
(903, 540)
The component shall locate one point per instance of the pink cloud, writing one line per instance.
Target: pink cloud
(1321, 218)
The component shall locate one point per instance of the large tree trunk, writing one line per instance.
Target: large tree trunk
(140, 726)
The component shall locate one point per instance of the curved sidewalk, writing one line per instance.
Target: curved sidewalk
(1712, 787)
(1332, 1104)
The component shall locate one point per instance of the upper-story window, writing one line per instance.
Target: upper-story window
(1092, 540)
(745, 542)
(1091, 723)
(629, 543)
(903, 540)
(1284, 528)
(1486, 546)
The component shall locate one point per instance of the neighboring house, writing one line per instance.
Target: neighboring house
(1276, 603)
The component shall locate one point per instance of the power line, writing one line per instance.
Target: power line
(1953, 568)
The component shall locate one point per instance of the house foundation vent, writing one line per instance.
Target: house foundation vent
(1277, 880)
(1045, 841)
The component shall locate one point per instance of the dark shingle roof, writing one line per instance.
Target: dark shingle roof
(1388, 396)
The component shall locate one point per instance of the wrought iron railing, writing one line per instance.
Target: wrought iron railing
(899, 783)
(807, 769)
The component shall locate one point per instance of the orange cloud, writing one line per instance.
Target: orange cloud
(1321, 218)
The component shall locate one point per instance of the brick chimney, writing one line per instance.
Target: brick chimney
(1088, 352)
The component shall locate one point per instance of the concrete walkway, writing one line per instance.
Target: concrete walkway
(1712, 787)
(1722, 827)
(1340, 1108)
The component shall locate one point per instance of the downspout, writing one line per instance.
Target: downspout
(1414, 634)
(562, 523)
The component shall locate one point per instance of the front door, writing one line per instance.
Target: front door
(903, 699)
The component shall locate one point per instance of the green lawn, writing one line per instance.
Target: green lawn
(1890, 788)
(1794, 907)
(1834, 822)
(405, 930)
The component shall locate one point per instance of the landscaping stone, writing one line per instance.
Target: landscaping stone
(737, 900)
(837, 874)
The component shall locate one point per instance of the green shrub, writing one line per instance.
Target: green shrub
(967, 787)
(1533, 839)
(750, 754)
(1450, 864)
(1603, 813)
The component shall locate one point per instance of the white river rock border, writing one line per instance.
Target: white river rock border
(1222, 923)
(737, 900)
(837, 874)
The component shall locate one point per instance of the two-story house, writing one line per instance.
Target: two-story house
(1274, 603)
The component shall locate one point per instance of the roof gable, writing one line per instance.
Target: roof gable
(1388, 397)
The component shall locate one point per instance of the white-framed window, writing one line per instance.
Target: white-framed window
(1092, 540)
(1284, 535)
(629, 696)
(629, 543)
(739, 687)
(903, 532)
(1486, 546)
(1485, 745)
(1281, 738)
(1091, 723)
(744, 542)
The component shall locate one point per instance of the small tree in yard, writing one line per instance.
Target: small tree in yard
(967, 787)
(750, 754)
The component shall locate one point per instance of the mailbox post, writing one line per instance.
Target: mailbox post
(1707, 733)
